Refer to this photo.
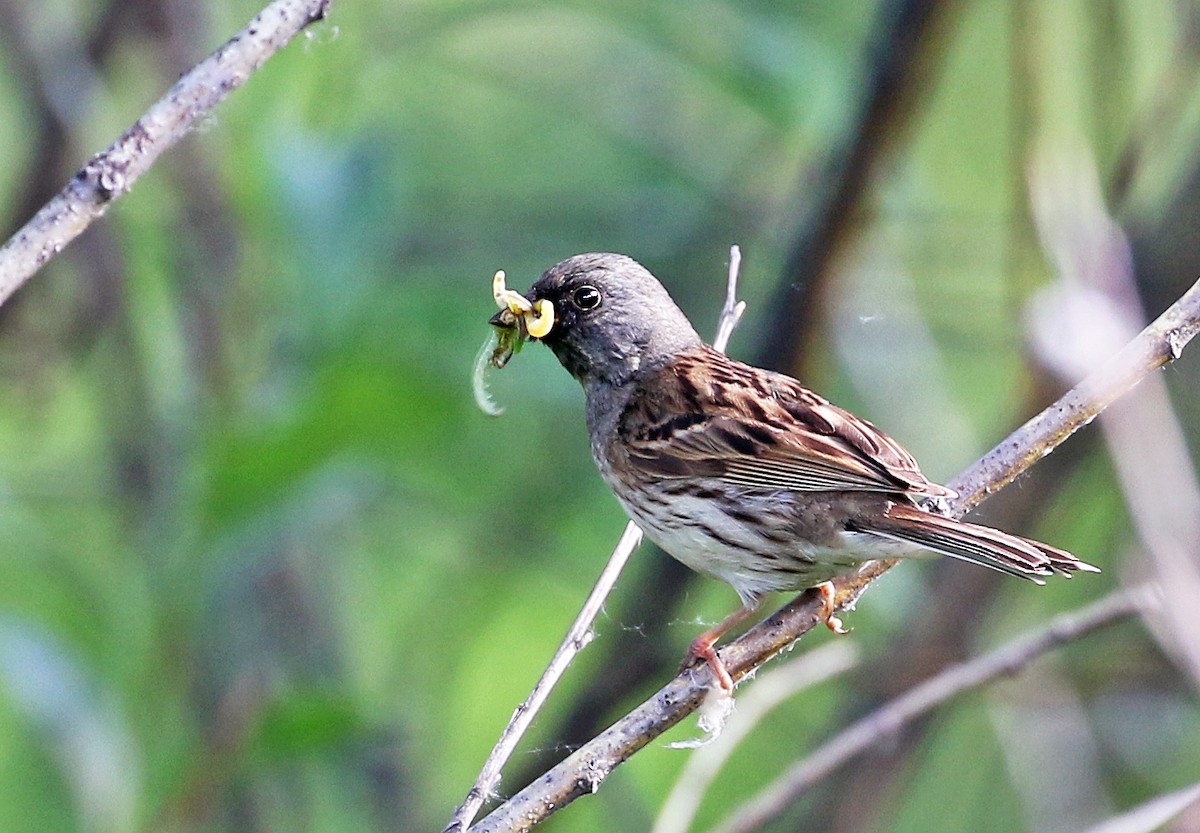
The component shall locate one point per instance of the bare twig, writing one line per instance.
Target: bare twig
(112, 172)
(1157, 345)
(731, 312)
(579, 633)
(577, 637)
(888, 720)
(586, 769)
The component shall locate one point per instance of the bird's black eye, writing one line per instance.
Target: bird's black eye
(586, 297)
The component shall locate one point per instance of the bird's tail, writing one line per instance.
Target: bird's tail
(978, 544)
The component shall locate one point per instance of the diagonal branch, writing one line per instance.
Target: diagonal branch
(585, 770)
(112, 172)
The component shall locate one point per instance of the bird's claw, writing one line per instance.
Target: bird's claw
(702, 650)
(828, 594)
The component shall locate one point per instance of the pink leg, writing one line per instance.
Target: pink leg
(702, 647)
(826, 590)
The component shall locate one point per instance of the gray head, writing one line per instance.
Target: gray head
(612, 318)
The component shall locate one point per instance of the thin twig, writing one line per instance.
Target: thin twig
(577, 637)
(112, 172)
(731, 312)
(886, 721)
(586, 769)
(580, 631)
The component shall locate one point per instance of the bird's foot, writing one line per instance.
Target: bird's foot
(703, 649)
(825, 613)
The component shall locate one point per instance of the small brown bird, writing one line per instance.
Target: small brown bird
(742, 474)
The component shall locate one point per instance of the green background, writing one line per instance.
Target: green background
(265, 566)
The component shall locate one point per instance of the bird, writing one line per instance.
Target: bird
(741, 473)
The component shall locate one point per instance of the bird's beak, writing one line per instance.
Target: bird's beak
(520, 318)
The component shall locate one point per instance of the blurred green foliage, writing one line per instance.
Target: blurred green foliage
(263, 565)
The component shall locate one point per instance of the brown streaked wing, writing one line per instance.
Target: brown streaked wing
(709, 416)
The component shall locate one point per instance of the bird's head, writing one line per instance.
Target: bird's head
(605, 317)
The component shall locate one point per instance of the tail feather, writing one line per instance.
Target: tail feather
(980, 545)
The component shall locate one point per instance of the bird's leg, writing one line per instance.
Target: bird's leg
(702, 646)
(825, 613)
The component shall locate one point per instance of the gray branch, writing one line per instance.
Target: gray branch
(112, 172)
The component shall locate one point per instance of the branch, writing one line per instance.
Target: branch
(577, 637)
(580, 631)
(112, 172)
(887, 721)
(585, 770)
(731, 312)
(1156, 346)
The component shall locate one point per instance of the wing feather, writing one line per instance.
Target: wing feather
(709, 416)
